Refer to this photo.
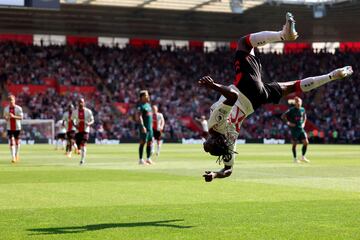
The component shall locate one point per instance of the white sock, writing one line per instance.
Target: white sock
(83, 153)
(310, 83)
(262, 38)
(158, 147)
(75, 146)
(12, 151)
(17, 149)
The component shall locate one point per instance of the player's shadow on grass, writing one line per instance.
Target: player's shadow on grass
(96, 227)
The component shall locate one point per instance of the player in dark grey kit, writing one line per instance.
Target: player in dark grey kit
(248, 93)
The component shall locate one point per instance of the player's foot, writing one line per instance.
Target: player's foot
(68, 154)
(82, 162)
(149, 161)
(304, 159)
(288, 32)
(141, 162)
(17, 158)
(341, 72)
(296, 161)
(13, 160)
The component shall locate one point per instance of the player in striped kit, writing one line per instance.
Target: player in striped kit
(70, 130)
(158, 128)
(13, 115)
(83, 119)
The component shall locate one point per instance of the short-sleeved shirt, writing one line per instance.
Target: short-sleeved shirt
(296, 116)
(146, 114)
(81, 118)
(13, 124)
(248, 80)
(227, 120)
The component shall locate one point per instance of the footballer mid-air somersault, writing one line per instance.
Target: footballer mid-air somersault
(248, 93)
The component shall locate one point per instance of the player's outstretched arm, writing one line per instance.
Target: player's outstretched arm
(230, 94)
(223, 173)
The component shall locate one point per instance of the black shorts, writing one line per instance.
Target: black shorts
(60, 136)
(13, 134)
(81, 138)
(157, 134)
(70, 135)
(248, 81)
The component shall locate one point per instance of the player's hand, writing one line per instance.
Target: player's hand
(341, 72)
(209, 176)
(143, 130)
(206, 81)
(291, 124)
(12, 115)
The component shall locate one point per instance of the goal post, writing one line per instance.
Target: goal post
(33, 130)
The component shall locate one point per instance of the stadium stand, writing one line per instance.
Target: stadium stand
(171, 75)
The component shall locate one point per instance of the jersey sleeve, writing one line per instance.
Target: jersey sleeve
(20, 113)
(91, 117)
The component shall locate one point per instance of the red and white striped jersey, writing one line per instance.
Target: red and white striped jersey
(67, 118)
(158, 121)
(82, 119)
(12, 123)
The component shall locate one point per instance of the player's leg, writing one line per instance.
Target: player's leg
(141, 151)
(149, 152)
(310, 83)
(305, 143)
(294, 143)
(158, 140)
(288, 33)
(12, 146)
(149, 142)
(84, 139)
(17, 145)
(68, 144)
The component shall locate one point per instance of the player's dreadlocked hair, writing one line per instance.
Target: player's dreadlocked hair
(218, 145)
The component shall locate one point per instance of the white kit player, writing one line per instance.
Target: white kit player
(13, 115)
(83, 119)
(60, 135)
(204, 126)
(158, 127)
(70, 130)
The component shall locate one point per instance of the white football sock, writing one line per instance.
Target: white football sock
(310, 83)
(158, 147)
(262, 38)
(17, 149)
(12, 151)
(83, 153)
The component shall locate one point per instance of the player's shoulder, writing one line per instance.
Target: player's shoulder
(18, 107)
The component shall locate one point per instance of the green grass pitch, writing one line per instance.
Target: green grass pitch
(47, 196)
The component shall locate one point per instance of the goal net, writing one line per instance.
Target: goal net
(33, 131)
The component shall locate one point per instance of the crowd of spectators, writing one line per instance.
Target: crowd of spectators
(171, 78)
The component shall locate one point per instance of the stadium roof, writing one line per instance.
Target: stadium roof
(226, 6)
(190, 5)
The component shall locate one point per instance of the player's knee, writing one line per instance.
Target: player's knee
(244, 44)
